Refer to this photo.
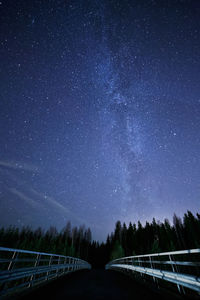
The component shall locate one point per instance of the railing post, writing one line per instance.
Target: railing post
(50, 260)
(75, 264)
(65, 260)
(11, 266)
(13, 260)
(58, 269)
(139, 264)
(152, 268)
(175, 270)
(69, 262)
(37, 260)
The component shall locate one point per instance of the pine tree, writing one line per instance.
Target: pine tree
(118, 232)
(118, 251)
(178, 226)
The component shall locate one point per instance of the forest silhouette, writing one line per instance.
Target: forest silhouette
(125, 240)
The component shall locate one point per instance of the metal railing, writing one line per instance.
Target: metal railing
(20, 269)
(181, 268)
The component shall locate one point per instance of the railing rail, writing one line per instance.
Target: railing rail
(20, 269)
(181, 268)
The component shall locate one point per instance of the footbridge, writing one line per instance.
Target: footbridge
(170, 275)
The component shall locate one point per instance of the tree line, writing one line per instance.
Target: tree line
(155, 237)
(69, 241)
(125, 240)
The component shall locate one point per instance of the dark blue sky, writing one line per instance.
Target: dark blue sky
(99, 112)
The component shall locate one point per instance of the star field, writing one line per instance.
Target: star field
(99, 112)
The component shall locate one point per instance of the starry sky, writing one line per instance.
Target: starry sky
(99, 112)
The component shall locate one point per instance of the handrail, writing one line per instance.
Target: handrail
(30, 252)
(184, 272)
(189, 251)
(21, 269)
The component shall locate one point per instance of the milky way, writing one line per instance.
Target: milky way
(99, 112)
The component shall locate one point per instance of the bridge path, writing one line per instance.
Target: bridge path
(95, 284)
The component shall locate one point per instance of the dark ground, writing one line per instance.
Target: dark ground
(95, 284)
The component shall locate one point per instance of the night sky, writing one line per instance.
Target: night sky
(99, 112)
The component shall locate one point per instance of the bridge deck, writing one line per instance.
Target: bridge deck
(94, 285)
